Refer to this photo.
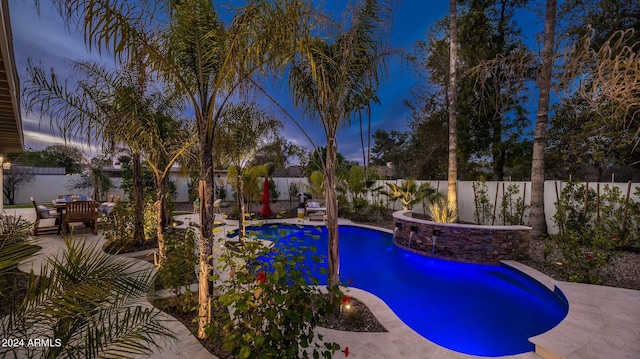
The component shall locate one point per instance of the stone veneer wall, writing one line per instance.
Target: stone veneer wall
(462, 242)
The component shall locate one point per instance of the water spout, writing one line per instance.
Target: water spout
(434, 239)
(433, 248)
(413, 232)
(395, 230)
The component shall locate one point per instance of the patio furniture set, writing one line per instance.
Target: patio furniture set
(70, 209)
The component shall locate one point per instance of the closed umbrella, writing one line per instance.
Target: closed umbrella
(265, 199)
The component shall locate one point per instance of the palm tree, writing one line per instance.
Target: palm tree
(537, 219)
(162, 141)
(329, 80)
(205, 60)
(244, 128)
(114, 104)
(90, 303)
(90, 110)
(408, 193)
(452, 93)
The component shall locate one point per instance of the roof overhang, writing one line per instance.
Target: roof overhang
(11, 137)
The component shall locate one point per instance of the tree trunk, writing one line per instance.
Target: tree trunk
(138, 199)
(331, 200)
(205, 193)
(241, 231)
(452, 176)
(162, 216)
(537, 219)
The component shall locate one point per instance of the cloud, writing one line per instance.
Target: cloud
(50, 43)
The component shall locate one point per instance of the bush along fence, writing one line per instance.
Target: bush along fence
(594, 225)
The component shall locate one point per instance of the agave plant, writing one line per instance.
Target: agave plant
(443, 211)
(90, 304)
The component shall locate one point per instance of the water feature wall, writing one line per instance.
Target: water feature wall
(461, 242)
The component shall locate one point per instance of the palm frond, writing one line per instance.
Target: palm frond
(93, 302)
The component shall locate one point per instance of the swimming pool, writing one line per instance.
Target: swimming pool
(470, 308)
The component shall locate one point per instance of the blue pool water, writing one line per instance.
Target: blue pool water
(470, 308)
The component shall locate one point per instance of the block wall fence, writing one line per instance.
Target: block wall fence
(45, 188)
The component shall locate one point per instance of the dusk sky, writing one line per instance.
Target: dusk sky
(45, 40)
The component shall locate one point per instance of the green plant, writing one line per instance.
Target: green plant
(512, 209)
(584, 241)
(360, 204)
(583, 262)
(294, 193)
(221, 191)
(177, 271)
(273, 190)
(482, 204)
(16, 246)
(119, 228)
(572, 213)
(356, 181)
(443, 211)
(89, 304)
(407, 193)
(316, 184)
(150, 219)
(274, 310)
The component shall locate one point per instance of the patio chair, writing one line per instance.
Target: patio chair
(81, 211)
(317, 216)
(46, 221)
(313, 206)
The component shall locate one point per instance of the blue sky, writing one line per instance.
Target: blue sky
(45, 40)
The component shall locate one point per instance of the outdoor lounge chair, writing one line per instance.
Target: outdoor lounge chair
(46, 221)
(317, 216)
(81, 211)
(314, 207)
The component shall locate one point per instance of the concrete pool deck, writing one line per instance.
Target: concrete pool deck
(603, 322)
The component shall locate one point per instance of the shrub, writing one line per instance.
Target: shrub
(221, 191)
(150, 219)
(273, 309)
(274, 194)
(512, 208)
(177, 271)
(585, 242)
(483, 207)
(582, 262)
(119, 228)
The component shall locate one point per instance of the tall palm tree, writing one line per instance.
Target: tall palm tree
(205, 60)
(89, 110)
(329, 80)
(452, 93)
(537, 219)
(113, 103)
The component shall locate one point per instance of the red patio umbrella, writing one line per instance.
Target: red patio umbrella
(265, 199)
